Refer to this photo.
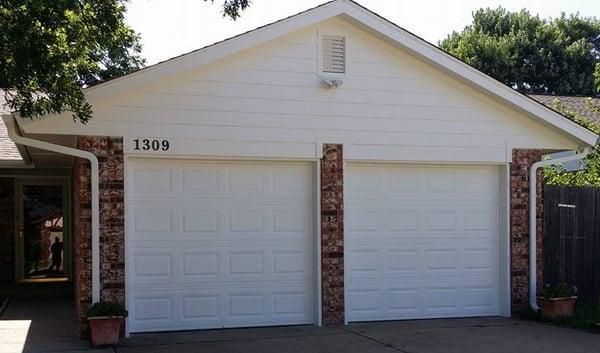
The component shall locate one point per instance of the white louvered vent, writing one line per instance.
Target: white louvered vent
(334, 54)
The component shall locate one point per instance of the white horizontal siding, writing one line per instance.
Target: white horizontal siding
(267, 102)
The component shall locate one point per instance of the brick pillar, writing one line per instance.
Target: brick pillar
(332, 234)
(519, 226)
(7, 230)
(109, 151)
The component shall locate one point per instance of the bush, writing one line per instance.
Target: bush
(561, 290)
(101, 309)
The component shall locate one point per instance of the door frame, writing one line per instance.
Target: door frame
(65, 183)
(315, 164)
(503, 224)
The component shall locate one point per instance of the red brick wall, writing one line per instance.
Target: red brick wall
(519, 226)
(332, 234)
(109, 151)
(7, 230)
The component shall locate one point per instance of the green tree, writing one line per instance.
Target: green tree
(51, 49)
(589, 174)
(532, 54)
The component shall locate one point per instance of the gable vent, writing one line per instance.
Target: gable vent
(334, 54)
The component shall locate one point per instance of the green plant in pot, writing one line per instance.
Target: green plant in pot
(105, 322)
(558, 301)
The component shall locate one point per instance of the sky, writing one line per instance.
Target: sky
(172, 27)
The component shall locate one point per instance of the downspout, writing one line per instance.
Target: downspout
(95, 216)
(533, 220)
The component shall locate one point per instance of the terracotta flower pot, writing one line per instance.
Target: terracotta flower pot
(105, 330)
(557, 308)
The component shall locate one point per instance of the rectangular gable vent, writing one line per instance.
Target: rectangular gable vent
(334, 54)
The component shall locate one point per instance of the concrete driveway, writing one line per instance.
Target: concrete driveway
(489, 335)
(40, 327)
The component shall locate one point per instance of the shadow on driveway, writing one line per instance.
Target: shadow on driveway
(489, 335)
(38, 327)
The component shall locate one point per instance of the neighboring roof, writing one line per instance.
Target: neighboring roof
(575, 104)
(365, 18)
(8, 150)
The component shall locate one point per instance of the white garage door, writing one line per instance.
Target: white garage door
(422, 242)
(219, 244)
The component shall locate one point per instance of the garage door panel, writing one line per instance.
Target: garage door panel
(423, 251)
(175, 221)
(221, 180)
(220, 244)
(184, 264)
(153, 310)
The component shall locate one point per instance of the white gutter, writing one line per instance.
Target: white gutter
(533, 220)
(95, 216)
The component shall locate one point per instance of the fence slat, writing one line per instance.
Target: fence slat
(571, 244)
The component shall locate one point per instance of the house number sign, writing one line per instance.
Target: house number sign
(151, 145)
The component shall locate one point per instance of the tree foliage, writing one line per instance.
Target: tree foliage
(589, 174)
(51, 49)
(532, 54)
(233, 8)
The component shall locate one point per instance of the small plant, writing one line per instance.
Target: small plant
(561, 290)
(106, 309)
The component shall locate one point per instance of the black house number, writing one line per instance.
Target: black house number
(151, 145)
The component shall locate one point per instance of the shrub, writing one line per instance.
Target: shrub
(101, 309)
(561, 290)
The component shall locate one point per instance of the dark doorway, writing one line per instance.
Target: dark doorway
(43, 239)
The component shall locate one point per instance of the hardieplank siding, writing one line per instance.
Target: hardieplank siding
(267, 102)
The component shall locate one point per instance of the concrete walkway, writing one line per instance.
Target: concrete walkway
(40, 327)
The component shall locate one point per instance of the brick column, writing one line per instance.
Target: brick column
(109, 151)
(7, 230)
(332, 234)
(519, 227)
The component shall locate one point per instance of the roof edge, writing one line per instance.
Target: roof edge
(363, 17)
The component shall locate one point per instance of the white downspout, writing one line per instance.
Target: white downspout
(95, 216)
(533, 220)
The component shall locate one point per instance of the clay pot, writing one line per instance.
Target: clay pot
(105, 330)
(557, 308)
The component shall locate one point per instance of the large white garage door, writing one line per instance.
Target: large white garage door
(219, 244)
(421, 242)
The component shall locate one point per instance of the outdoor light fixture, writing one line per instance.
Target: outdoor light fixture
(331, 83)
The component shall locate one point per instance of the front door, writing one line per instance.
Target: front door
(43, 242)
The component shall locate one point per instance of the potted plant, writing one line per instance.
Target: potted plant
(558, 301)
(105, 322)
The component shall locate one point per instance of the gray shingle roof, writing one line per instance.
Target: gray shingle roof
(575, 104)
(8, 149)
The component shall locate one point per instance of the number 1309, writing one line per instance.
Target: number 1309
(151, 145)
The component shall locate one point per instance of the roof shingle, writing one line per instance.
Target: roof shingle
(575, 104)
(8, 149)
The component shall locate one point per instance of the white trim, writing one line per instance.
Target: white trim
(503, 227)
(366, 19)
(319, 294)
(345, 242)
(126, 241)
(504, 254)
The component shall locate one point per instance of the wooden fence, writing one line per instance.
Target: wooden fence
(571, 245)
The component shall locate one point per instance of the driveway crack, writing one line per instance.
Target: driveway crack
(375, 340)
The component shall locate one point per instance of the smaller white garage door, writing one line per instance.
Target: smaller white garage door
(421, 242)
(219, 244)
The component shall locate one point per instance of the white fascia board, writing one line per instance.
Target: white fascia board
(457, 68)
(195, 59)
(365, 18)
